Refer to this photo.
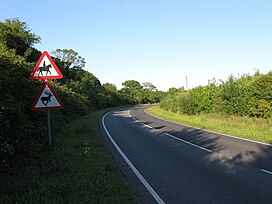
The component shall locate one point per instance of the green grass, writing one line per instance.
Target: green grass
(82, 171)
(245, 127)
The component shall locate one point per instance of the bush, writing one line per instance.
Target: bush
(244, 96)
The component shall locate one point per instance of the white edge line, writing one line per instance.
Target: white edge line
(240, 138)
(167, 134)
(263, 170)
(266, 171)
(137, 173)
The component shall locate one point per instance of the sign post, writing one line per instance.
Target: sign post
(49, 129)
(47, 99)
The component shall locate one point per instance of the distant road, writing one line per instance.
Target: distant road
(166, 162)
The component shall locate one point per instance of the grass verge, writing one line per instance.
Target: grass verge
(82, 170)
(245, 127)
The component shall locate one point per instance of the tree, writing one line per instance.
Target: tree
(149, 86)
(110, 87)
(132, 84)
(16, 35)
(70, 58)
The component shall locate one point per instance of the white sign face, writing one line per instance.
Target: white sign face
(47, 99)
(45, 68)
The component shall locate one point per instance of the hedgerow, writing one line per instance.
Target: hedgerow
(245, 96)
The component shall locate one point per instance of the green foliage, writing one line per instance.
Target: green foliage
(244, 96)
(16, 35)
(205, 98)
(261, 108)
(149, 86)
(113, 97)
(70, 58)
(75, 103)
(179, 102)
(236, 95)
(87, 85)
(258, 129)
(261, 103)
(82, 170)
(22, 131)
(132, 84)
(110, 87)
(135, 93)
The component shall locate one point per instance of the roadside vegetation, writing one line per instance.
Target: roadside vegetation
(24, 172)
(250, 128)
(243, 96)
(82, 170)
(238, 106)
(79, 171)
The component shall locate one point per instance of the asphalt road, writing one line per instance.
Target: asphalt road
(166, 162)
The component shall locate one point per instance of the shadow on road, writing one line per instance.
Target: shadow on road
(200, 175)
(259, 156)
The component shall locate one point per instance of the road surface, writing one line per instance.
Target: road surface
(166, 162)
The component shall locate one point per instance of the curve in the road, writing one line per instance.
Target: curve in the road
(133, 168)
(176, 163)
(243, 150)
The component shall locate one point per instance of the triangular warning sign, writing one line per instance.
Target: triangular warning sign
(46, 68)
(47, 99)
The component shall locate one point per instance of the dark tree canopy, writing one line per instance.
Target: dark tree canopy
(110, 87)
(132, 84)
(16, 35)
(21, 132)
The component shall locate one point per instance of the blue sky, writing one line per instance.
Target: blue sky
(157, 41)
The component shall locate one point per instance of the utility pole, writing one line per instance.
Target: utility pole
(186, 83)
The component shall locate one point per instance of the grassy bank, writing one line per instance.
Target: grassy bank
(250, 128)
(82, 170)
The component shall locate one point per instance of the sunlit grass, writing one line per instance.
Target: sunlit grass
(82, 170)
(245, 127)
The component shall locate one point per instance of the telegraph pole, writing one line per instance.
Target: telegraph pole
(186, 83)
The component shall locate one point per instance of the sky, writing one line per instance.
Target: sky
(157, 41)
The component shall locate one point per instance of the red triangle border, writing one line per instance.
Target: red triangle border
(45, 77)
(39, 95)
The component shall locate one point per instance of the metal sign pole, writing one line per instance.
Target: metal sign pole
(49, 129)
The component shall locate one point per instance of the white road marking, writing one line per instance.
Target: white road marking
(147, 126)
(263, 170)
(137, 173)
(139, 121)
(169, 135)
(240, 138)
(266, 171)
(187, 142)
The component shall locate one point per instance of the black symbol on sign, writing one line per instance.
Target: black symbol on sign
(44, 68)
(46, 99)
